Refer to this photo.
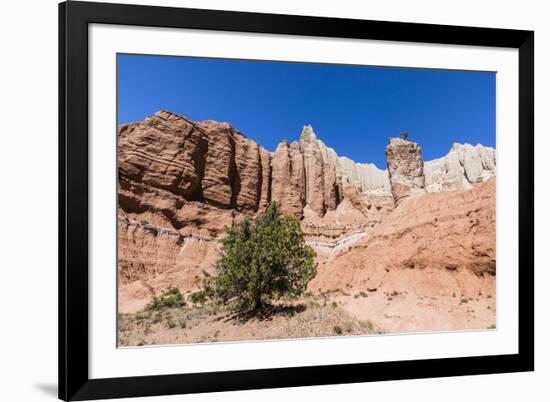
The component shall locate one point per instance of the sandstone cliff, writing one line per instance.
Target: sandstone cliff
(208, 162)
(212, 163)
(288, 178)
(182, 182)
(322, 187)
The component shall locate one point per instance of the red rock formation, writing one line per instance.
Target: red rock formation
(219, 181)
(182, 182)
(208, 161)
(164, 151)
(405, 168)
(451, 231)
(250, 175)
(152, 259)
(288, 178)
(265, 192)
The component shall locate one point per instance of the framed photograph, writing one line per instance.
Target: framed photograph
(259, 201)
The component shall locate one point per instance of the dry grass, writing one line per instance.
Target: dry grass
(314, 316)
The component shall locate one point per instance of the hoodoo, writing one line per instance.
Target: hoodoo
(405, 168)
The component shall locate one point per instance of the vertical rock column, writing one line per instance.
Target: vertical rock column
(322, 186)
(288, 178)
(314, 171)
(405, 168)
(249, 173)
(265, 196)
(220, 182)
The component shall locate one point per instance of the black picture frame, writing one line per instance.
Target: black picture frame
(74, 381)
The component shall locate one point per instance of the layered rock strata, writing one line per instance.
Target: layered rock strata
(208, 162)
(446, 234)
(288, 178)
(182, 182)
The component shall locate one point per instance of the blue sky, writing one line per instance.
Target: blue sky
(353, 109)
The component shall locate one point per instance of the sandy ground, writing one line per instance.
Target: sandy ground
(403, 312)
(340, 312)
(208, 323)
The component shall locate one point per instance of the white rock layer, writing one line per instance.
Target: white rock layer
(366, 176)
(464, 166)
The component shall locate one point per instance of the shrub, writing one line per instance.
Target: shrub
(157, 318)
(348, 326)
(313, 304)
(263, 259)
(172, 297)
(142, 316)
(338, 329)
(198, 297)
(368, 325)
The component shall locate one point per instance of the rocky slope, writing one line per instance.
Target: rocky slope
(181, 182)
(453, 232)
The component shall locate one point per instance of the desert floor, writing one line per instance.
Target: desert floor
(341, 312)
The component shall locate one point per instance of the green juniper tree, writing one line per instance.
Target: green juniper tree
(262, 259)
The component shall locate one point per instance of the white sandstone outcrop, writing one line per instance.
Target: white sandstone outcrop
(464, 166)
(366, 176)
